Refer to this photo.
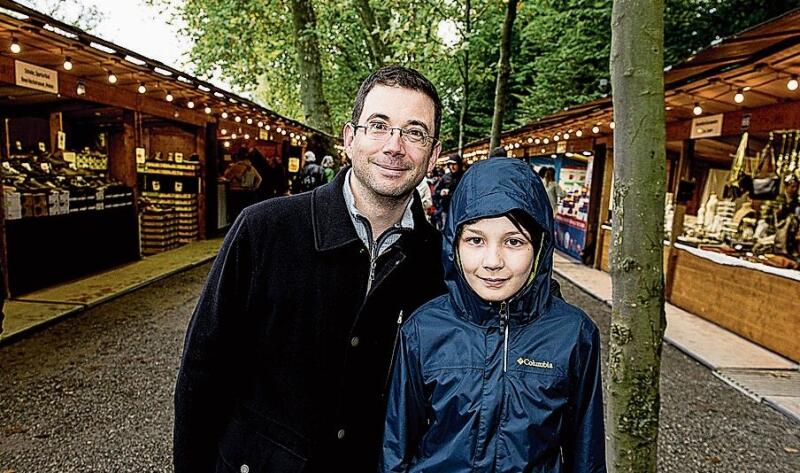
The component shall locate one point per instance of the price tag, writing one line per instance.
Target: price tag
(156, 186)
(178, 157)
(178, 187)
(141, 156)
(18, 145)
(294, 164)
(42, 147)
(69, 156)
(62, 140)
(45, 167)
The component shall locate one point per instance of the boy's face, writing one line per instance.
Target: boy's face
(496, 258)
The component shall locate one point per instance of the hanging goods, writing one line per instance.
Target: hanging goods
(766, 188)
(739, 183)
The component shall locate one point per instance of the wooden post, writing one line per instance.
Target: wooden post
(605, 202)
(122, 147)
(56, 125)
(684, 164)
(594, 215)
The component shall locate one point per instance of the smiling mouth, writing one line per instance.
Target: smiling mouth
(391, 168)
(493, 282)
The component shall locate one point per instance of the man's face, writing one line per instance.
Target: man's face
(392, 167)
(454, 167)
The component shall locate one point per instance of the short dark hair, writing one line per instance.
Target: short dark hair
(399, 76)
(498, 152)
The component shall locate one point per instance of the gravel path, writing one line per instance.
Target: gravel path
(93, 393)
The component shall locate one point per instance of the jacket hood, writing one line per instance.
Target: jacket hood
(492, 188)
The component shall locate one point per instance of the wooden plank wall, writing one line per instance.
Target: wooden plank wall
(761, 307)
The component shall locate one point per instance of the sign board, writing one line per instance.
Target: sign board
(263, 134)
(178, 157)
(35, 77)
(706, 127)
(141, 156)
(561, 147)
(62, 140)
(294, 164)
(69, 156)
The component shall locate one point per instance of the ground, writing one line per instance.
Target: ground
(94, 393)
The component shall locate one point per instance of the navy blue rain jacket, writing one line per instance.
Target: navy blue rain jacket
(496, 387)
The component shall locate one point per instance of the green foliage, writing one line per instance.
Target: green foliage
(560, 49)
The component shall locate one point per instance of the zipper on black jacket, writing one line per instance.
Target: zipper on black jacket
(374, 248)
(394, 351)
(504, 326)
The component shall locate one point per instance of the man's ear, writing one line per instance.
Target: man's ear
(435, 152)
(347, 137)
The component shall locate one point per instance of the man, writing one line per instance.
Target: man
(288, 353)
(312, 175)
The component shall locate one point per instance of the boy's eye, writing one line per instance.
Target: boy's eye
(473, 240)
(515, 242)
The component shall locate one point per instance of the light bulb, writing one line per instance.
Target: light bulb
(224, 131)
(67, 64)
(556, 138)
(537, 141)
(249, 121)
(169, 97)
(190, 104)
(595, 129)
(579, 133)
(207, 109)
(15, 46)
(516, 145)
(224, 115)
(237, 119)
(612, 125)
(792, 84)
(233, 135)
(142, 89)
(739, 97)
(291, 135)
(566, 136)
(267, 127)
(304, 137)
(546, 140)
(530, 140)
(697, 110)
(279, 130)
(283, 133)
(227, 144)
(247, 136)
(261, 124)
(112, 78)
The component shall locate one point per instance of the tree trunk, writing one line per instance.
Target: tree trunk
(462, 117)
(372, 27)
(503, 71)
(637, 316)
(309, 65)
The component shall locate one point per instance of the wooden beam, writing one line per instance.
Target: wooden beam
(762, 120)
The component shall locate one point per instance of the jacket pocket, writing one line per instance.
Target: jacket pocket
(245, 448)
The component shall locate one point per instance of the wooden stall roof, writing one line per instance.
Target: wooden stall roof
(758, 62)
(47, 42)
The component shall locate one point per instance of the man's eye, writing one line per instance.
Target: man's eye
(378, 126)
(415, 134)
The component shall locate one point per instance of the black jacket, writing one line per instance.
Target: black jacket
(286, 362)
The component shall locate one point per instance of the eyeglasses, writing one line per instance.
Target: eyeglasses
(380, 131)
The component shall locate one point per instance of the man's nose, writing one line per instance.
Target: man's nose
(394, 143)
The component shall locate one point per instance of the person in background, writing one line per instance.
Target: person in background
(552, 187)
(425, 196)
(500, 374)
(447, 185)
(311, 176)
(327, 167)
(244, 182)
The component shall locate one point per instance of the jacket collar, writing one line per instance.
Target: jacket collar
(333, 226)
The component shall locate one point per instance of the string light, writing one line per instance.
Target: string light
(566, 136)
(612, 125)
(169, 97)
(233, 135)
(546, 140)
(556, 138)
(792, 84)
(530, 140)
(579, 133)
(207, 110)
(739, 97)
(697, 110)
(595, 129)
(249, 121)
(227, 144)
(267, 127)
(112, 78)
(537, 141)
(142, 89)
(67, 64)
(15, 46)
(237, 119)
(224, 115)
(247, 136)
(261, 124)
(279, 130)
(190, 104)
(224, 131)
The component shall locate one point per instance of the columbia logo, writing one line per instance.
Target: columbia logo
(534, 363)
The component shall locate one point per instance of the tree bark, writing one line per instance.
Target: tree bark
(372, 27)
(637, 316)
(503, 71)
(462, 117)
(309, 66)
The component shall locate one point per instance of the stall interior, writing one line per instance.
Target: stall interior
(66, 213)
(169, 178)
(744, 202)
